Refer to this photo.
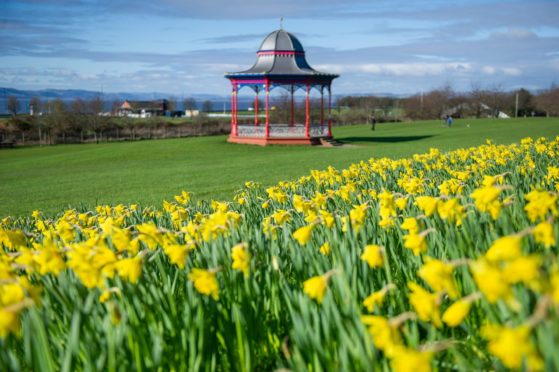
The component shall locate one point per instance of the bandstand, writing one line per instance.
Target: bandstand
(281, 63)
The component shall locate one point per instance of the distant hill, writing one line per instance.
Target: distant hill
(67, 95)
(70, 94)
(220, 102)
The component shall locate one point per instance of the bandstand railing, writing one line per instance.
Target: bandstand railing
(282, 131)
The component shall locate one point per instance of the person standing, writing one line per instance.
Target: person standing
(449, 121)
(373, 122)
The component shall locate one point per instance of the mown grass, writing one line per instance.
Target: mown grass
(146, 172)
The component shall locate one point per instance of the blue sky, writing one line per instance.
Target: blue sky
(183, 47)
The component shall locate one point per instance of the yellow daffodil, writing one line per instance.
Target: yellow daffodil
(315, 287)
(512, 346)
(543, 233)
(205, 282)
(439, 276)
(505, 248)
(415, 242)
(487, 200)
(325, 249)
(241, 258)
(303, 234)
(425, 304)
(457, 312)
(129, 268)
(373, 255)
(410, 360)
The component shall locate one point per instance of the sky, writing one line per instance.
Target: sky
(183, 47)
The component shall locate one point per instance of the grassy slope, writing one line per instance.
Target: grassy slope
(51, 178)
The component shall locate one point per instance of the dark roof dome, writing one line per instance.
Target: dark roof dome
(281, 40)
(281, 54)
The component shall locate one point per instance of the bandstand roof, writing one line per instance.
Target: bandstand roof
(281, 55)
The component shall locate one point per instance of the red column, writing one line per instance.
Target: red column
(256, 106)
(234, 130)
(292, 123)
(329, 111)
(321, 105)
(307, 112)
(267, 108)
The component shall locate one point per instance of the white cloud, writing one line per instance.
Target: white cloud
(514, 33)
(400, 69)
(511, 71)
(488, 70)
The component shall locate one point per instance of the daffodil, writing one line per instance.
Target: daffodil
(385, 335)
(439, 276)
(373, 255)
(205, 282)
(512, 346)
(325, 249)
(129, 268)
(427, 204)
(505, 248)
(487, 200)
(241, 258)
(303, 234)
(457, 312)
(410, 360)
(543, 233)
(416, 243)
(425, 304)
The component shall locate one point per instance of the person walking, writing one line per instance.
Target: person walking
(449, 121)
(373, 122)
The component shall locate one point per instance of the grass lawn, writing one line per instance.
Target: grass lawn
(55, 177)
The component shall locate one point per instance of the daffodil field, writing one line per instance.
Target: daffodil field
(442, 261)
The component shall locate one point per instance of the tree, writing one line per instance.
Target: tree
(525, 102)
(96, 121)
(171, 104)
(56, 121)
(35, 105)
(190, 105)
(207, 106)
(23, 125)
(13, 105)
(548, 101)
(78, 110)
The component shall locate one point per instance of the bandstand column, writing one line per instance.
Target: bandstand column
(292, 122)
(234, 124)
(267, 108)
(329, 110)
(321, 106)
(307, 111)
(256, 106)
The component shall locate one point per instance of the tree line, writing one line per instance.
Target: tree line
(82, 121)
(437, 103)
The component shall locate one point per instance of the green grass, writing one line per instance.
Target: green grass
(53, 178)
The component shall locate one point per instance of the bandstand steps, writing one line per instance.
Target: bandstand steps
(330, 142)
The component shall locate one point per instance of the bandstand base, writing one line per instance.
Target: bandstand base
(262, 141)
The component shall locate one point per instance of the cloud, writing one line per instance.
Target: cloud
(373, 45)
(227, 39)
(399, 69)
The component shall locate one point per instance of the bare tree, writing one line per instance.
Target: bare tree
(207, 106)
(78, 110)
(13, 105)
(56, 121)
(171, 104)
(190, 105)
(548, 101)
(35, 105)
(96, 121)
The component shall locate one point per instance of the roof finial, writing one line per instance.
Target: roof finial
(281, 23)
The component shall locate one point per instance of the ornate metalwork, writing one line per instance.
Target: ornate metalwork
(282, 131)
